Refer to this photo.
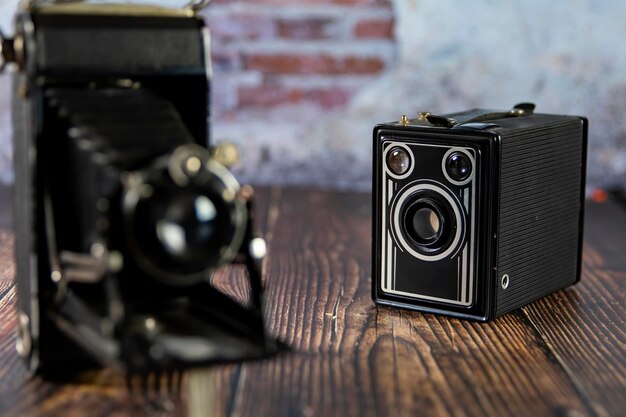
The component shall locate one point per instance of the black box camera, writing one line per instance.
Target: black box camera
(122, 209)
(477, 213)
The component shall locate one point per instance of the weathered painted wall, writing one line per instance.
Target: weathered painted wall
(7, 9)
(299, 85)
(568, 57)
(285, 71)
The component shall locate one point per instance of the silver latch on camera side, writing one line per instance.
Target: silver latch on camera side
(505, 281)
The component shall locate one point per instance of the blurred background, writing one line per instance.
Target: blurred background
(300, 84)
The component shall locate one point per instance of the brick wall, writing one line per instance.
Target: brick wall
(298, 84)
(276, 53)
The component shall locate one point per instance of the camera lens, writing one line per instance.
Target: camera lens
(187, 224)
(426, 224)
(182, 230)
(458, 166)
(427, 220)
(398, 160)
(182, 224)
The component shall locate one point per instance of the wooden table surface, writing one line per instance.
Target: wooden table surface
(561, 356)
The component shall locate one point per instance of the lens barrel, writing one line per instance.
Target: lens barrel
(458, 166)
(184, 217)
(426, 224)
(398, 160)
(429, 223)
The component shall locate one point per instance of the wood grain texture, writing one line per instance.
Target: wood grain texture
(380, 360)
(561, 356)
(585, 326)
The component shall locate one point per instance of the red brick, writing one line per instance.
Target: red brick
(242, 26)
(307, 28)
(330, 97)
(374, 28)
(260, 96)
(313, 64)
(276, 95)
(225, 59)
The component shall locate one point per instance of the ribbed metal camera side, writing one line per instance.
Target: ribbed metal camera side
(540, 219)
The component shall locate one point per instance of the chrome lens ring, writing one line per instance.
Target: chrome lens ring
(407, 197)
(182, 223)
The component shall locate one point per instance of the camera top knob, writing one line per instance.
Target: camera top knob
(226, 153)
(11, 51)
(7, 51)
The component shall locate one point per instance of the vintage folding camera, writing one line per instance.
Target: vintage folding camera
(477, 213)
(122, 210)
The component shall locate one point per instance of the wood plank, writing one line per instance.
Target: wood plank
(12, 372)
(352, 358)
(7, 264)
(585, 326)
